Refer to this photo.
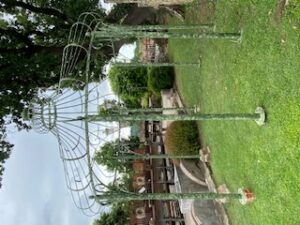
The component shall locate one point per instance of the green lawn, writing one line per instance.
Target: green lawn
(262, 70)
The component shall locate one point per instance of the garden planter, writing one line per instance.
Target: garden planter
(247, 196)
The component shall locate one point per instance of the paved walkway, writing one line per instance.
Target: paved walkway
(194, 176)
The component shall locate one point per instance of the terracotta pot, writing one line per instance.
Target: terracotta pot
(247, 196)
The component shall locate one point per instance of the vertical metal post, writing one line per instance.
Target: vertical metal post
(136, 156)
(258, 116)
(162, 31)
(154, 64)
(131, 196)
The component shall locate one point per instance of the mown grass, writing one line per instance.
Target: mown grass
(262, 70)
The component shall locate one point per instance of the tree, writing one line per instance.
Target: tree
(32, 41)
(160, 78)
(110, 150)
(31, 46)
(117, 216)
(5, 150)
(33, 34)
(130, 83)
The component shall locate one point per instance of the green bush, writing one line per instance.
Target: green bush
(182, 138)
(160, 78)
(129, 84)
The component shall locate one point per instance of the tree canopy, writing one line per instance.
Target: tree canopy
(5, 150)
(109, 151)
(130, 83)
(117, 216)
(33, 34)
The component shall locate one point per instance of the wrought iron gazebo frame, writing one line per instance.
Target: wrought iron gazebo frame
(87, 35)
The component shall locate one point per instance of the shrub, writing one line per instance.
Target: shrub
(128, 83)
(160, 78)
(182, 138)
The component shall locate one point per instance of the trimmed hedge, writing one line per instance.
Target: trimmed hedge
(160, 78)
(182, 138)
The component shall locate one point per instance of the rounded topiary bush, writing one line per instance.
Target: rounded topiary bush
(160, 78)
(182, 138)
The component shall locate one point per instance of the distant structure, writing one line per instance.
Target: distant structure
(153, 176)
(151, 3)
(151, 51)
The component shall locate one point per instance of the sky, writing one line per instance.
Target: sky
(34, 191)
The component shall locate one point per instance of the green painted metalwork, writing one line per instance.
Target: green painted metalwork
(104, 33)
(130, 196)
(179, 117)
(111, 33)
(136, 156)
(161, 31)
(165, 35)
(154, 110)
(69, 117)
(155, 64)
(160, 27)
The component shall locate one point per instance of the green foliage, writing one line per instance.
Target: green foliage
(118, 13)
(182, 138)
(118, 215)
(31, 47)
(30, 51)
(129, 83)
(160, 78)
(110, 154)
(5, 150)
(73, 8)
(72, 83)
(133, 84)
